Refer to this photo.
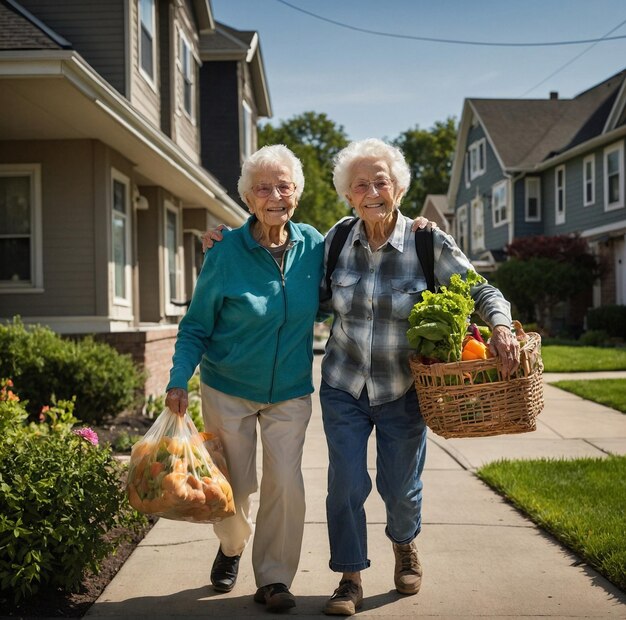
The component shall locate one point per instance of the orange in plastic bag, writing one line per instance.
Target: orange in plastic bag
(172, 473)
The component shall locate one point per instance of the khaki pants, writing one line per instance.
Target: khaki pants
(280, 519)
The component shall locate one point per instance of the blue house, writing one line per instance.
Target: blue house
(528, 167)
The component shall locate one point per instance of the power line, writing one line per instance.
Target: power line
(569, 62)
(449, 41)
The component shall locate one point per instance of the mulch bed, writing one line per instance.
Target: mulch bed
(55, 603)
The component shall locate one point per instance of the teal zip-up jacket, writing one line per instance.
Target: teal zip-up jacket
(248, 326)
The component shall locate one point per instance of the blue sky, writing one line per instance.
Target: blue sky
(380, 86)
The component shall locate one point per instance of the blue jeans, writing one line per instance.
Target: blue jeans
(401, 451)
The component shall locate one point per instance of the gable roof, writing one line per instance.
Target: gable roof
(226, 43)
(20, 30)
(525, 134)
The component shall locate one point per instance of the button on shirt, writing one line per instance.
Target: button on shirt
(372, 296)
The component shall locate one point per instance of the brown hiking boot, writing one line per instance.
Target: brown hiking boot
(408, 573)
(346, 599)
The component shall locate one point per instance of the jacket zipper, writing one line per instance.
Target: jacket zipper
(282, 282)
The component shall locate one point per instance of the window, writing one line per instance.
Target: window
(589, 180)
(187, 69)
(559, 195)
(173, 279)
(146, 38)
(247, 129)
(478, 225)
(614, 177)
(120, 238)
(21, 263)
(533, 199)
(499, 204)
(466, 172)
(477, 158)
(461, 228)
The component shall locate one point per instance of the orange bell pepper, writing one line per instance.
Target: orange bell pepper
(473, 350)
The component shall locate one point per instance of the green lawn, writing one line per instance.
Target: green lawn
(559, 358)
(609, 392)
(582, 502)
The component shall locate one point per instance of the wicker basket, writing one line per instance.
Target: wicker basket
(473, 399)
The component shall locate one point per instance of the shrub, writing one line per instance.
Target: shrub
(60, 501)
(594, 338)
(611, 319)
(47, 367)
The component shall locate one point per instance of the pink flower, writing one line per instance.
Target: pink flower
(88, 434)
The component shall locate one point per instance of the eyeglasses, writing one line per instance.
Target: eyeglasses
(380, 185)
(263, 190)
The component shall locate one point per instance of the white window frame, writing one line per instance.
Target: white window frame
(589, 181)
(462, 229)
(186, 57)
(477, 237)
(560, 195)
(477, 153)
(609, 150)
(151, 79)
(126, 302)
(246, 124)
(466, 173)
(35, 284)
(499, 212)
(528, 183)
(170, 308)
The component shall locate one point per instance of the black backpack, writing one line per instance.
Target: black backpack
(423, 246)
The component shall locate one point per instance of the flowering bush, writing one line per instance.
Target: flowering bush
(60, 498)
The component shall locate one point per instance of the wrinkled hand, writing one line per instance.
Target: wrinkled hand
(212, 235)
(505, 345)
(176, 401)
(422, 222)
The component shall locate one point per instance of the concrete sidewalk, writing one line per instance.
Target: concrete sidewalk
(481, 558)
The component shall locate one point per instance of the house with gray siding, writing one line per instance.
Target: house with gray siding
(104, 191)
(525, 167)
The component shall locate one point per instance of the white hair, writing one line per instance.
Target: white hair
(269, 157)
(371, 148)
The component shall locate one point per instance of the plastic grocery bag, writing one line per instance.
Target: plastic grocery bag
(172, 475)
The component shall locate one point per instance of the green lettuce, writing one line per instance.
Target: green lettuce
(439, 321)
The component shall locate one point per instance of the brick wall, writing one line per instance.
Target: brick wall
(152, 351)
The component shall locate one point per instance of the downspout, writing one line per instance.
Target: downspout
(511, 180)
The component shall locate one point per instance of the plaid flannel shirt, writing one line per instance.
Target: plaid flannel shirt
(372, 296)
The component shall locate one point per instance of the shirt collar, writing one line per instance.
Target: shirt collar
(396, 239)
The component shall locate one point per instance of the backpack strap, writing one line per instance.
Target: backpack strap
(423, 246)
(426, 255)
(342, 231)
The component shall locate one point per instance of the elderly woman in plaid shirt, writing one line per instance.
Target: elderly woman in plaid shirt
(366, 379)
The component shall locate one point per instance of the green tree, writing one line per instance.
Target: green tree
(544, 271)
(315, 139)
(429, 154)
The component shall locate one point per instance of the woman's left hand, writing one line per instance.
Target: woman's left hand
(422, 222)
(505, 345)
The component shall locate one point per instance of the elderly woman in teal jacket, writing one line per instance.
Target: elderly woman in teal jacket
(250, 327)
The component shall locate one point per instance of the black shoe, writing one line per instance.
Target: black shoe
(276, 596)
(224, 571)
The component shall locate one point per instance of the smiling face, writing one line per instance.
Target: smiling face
(372, 192)
(272, 210)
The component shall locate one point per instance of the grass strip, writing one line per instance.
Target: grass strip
(609, 392)
(560, 358)
(582, 502)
